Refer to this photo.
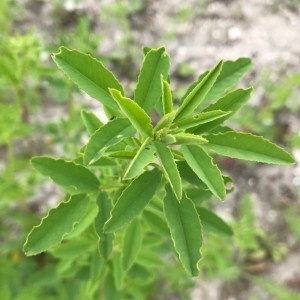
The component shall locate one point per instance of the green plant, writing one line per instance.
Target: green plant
(136, 188)
(275, 289)
(279, 99)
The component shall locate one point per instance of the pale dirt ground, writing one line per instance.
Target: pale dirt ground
(266, 31)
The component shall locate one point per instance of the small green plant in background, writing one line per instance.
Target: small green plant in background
(279, 98)
(137, 191)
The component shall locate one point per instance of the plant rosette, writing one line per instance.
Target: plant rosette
(136, 183)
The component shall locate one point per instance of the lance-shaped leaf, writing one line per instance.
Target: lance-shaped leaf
(231, 73)
(248, 147)
(185, 229)
(165, 122)
(231, 102)
(135, 114)
(110, 290)
(155, 220)
(105, 136)
(169, 167)
(188, 138)
(201, 118)
(132, 243)
(59, 222)
(90, 121)
(201, 163)
(167, 99)
(189, 175)
(133, 200)
(72, 249)
(89, 74)
(122, 154)
(148, 89)
(85, 222)
(149, 259)
(141, 160)
(197, 95)
(212, 222)
(105, 239)
(118, 271)
(198, 196)
(168, 139)
(74, 178)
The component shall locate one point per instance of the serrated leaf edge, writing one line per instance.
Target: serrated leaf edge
(40, 224)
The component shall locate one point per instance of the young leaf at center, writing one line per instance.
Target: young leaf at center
(148, 89)
(135, 114)
(197, 95)
(144, 156)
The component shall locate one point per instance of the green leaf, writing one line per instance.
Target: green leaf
(248, 147)
(198, 196)
(197, 95)
(132, 243)
(105, 239)
(129, 143)
(231, 103)
(72, 249)
(202, 118)
(110, 290)
(133, 200)
(189, 175)
(168, 139)
(74, 178)
(141, 160)
(167, 99)
(148, 89)
(231, 73)
(89, 74)
(90, 121)
(169, 167)
(56, 225)
(85, 222)
(107, 135)
(103, 162)
(135, 114)
(156, 221)
(201, 163)
(118, 272)
(189, 138)
(212, 222)
(149, 259)
(165, 122)
(122, 154)
(185, 229)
